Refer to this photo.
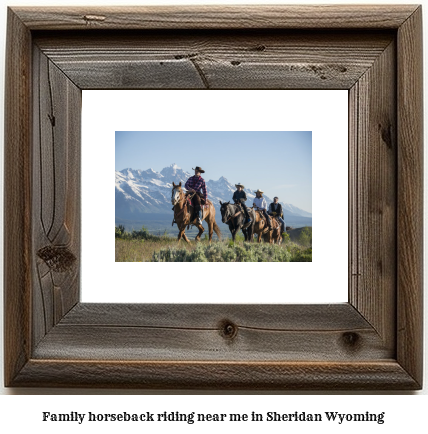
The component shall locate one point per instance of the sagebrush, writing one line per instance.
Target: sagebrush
(141, 246)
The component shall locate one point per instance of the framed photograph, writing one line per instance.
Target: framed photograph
(232, 141)
(371, 341)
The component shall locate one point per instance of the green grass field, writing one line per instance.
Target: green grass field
(140, 246)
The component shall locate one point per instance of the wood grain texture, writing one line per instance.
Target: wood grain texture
(17, 199)
(198, 332)
(217, 17)
(216, 59)
(410, 196)
(372, 342)
(385, 375)
(373, 178)
(209, 316)
(56, 194)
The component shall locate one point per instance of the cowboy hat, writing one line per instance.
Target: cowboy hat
(239, 185)
(259, 191)
(198, 169)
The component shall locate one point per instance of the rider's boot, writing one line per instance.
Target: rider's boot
(247, 215)
(200, 217)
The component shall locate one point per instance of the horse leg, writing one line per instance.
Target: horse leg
(181, 234)
(251, 234)
(201, 231)
(210, 229)
(260, 234)
(248, 235)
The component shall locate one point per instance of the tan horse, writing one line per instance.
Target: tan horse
(183, 213)
(274, 236)
(261, 228)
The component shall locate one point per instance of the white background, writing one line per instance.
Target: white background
(325, 113)
(406, 413)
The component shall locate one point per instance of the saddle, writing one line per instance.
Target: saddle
(204, 202)
(272, 218)
(239, 208)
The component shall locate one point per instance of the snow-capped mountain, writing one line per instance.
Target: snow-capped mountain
(147, 191)
(175, 174)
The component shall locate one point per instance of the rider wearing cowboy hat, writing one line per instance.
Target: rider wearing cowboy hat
(260, 202)
(194, 185)
(239, 197)
(275, 209)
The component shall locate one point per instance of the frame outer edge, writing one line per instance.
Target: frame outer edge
(17, 213)
(17, 198)
(410, 197)
(386, 375)
(215, 16)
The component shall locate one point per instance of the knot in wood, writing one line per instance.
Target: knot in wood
(89, 18)
(351, 340)
(58, 259)
(386, 134)
(185, 56)
(227, 329)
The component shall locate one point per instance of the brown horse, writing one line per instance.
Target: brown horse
(274, 236)
(261, 228)
(183, 214)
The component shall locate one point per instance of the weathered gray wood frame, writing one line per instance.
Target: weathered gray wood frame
(372, 342)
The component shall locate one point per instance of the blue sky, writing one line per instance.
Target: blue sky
(277, 162)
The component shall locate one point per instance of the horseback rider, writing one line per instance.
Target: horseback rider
(275, 209)
(260, 203)
(239, 197)
(194, 185)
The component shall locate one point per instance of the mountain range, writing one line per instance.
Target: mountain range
(142, 192)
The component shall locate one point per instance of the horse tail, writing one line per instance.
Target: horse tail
(217, 230)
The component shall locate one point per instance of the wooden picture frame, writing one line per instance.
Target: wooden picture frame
(372, 342)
